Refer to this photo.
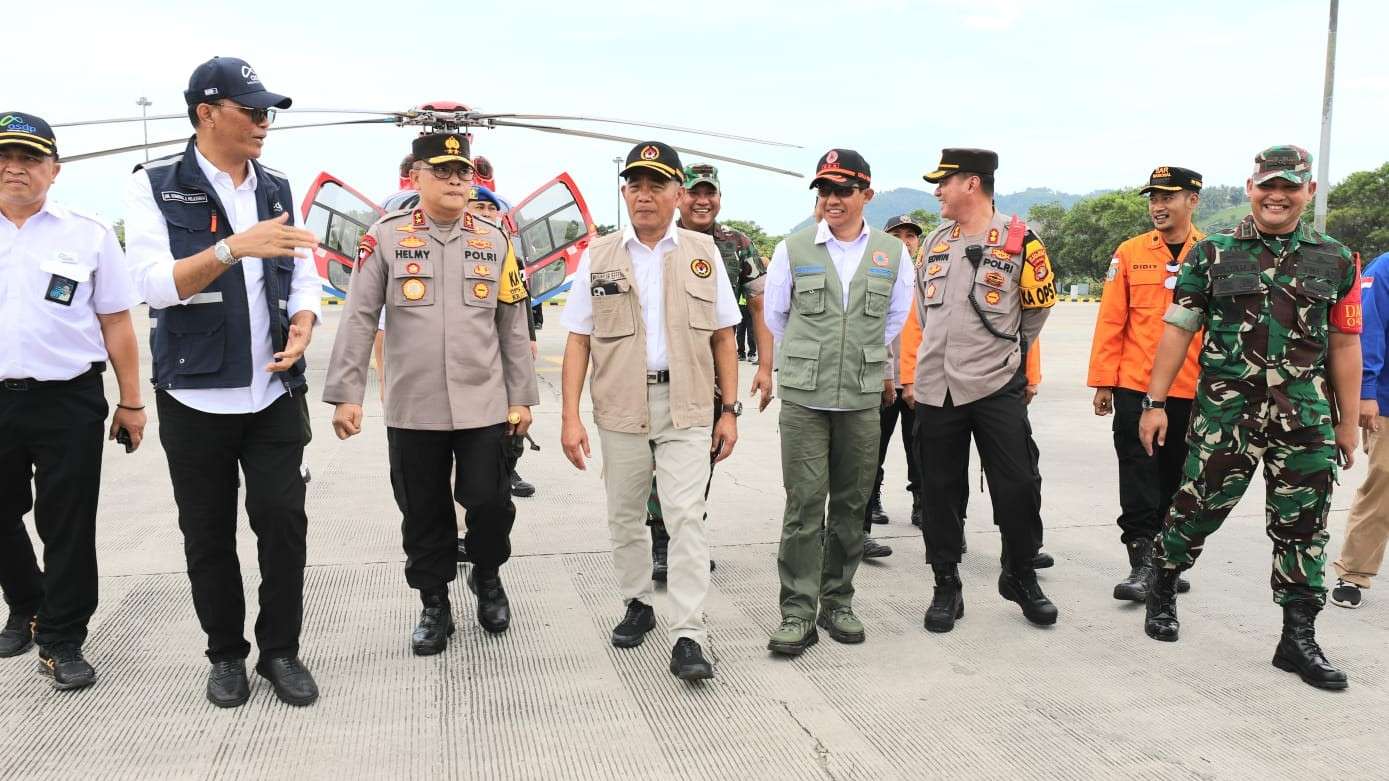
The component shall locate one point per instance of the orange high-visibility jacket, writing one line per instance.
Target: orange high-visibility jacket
(911, 342)
(1137, 292)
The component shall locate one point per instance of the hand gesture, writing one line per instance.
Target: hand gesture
(295, 346)
(347, 420)
(272, 238)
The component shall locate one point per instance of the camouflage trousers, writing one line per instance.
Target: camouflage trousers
(1299, 468)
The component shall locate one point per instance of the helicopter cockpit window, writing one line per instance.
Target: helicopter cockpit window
(338, 218)
(549, 222)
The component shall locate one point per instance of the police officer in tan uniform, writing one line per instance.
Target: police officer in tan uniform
(653, 307)
(984, 289)
(461, 381)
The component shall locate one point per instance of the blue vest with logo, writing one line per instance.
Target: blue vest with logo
(206, 343)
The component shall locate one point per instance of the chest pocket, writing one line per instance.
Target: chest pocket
(480, 285)
(810, 293)
(1148, 288)
(699, 302)
(190, 229)
(614, 309)
(413, 283)
(995, 288)
(1236, 292)
(1313, 291)
(877, 296)
(933, 282)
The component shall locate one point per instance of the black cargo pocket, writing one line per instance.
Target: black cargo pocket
(196, 335)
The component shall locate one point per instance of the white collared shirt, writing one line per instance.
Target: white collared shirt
(152, 266)
(846, 255)
(48, 328)
(647, 267)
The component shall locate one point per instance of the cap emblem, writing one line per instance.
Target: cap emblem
(650, 152)
(832, 156)
(1161, 172)
(451, 145)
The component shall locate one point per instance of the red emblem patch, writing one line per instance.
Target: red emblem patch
(701, 268)
(994, 279)
(1000, 254)
(880, 259)
(955, 232)
(650, 152)
(412, 268)
(832, 157)
(993, 236)
(993, 296)
(417, 219)
(365, 247)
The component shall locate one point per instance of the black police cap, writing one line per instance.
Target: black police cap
(842, 166)
(440, 148)
(1170, 178)
(232, 78)
(27, 130)
(902, 220)
(654, 156)
(957, 160)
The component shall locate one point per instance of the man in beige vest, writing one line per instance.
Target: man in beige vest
(461, 381)
(653, 307)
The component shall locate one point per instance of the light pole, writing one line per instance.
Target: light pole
(617, 161)
(1324, 169)
(144, 103)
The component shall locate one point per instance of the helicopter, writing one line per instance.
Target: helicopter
(551, 226)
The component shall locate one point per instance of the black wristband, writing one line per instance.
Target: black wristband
(132, 409)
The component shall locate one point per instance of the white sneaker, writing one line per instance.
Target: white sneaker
(1346, 595)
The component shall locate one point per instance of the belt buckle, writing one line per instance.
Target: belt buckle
(16, 385)
(653, 378)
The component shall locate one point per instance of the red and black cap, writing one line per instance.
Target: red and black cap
(1171, 179)
(961, 160)
(842, 166)
(231, 78)
(654, 156)
(902, 221)
(440, 148)
(27, 130)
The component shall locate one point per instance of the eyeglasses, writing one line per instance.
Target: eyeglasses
(837, 190)
(259, 116)
(446, 172)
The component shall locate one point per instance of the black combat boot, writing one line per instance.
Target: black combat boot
(493, 608)
(1160, 619)
(1021, 586)
(948, 603)
(1134, 588)
(660, 546)
(1298, 651)
(874, 511)
(431, 634)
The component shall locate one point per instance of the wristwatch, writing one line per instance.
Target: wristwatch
(224, 254)
(736, 408)
(1149, 403)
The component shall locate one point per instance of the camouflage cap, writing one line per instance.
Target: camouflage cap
(1292, 163)
(702, 173)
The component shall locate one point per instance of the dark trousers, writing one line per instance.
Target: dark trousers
(422, 464)
(745, 334)
(1147, 483)
(889, 415)
(1003, 435)
(204, 451)
(52, 433)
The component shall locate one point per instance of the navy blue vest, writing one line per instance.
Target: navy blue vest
(206, 342)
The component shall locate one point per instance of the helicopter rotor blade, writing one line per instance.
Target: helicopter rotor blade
(343, 111)
(151, 118)
(625, 140)
(636, 123)
(184, 140)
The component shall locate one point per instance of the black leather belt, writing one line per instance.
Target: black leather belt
(28, 384)
(658, 377)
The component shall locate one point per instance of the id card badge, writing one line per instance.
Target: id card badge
(61, 290)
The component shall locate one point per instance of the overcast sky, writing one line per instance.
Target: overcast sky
(1074, 95)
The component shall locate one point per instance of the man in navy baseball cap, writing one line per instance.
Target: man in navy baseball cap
(231, 78)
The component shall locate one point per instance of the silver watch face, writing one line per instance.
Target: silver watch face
(223, 253)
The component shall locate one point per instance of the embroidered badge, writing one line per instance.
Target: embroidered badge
(1000, 254)
(480, 290)
(931, 290)
(993, 296)
(412, 268)
(699, 266)
(955, 232)
(411, 242)
(413, 289)
(481, 270)
(479, 244)
(941, 247)
(993, 236)
(365, 247)
(880, 259)
(994, 279)
(934, 269)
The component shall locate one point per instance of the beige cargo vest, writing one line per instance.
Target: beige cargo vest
(618, 342)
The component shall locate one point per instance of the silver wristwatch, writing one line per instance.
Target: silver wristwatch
(224, 253)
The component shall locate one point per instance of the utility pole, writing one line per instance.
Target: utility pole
(618, 162)
(144, 103)
(1324, 166)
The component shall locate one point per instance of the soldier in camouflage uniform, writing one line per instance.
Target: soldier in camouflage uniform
(1280, 361)
(699, 210)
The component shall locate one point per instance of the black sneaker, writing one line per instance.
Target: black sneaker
(520, 487)
(639, 620)
(18, 635)
(1346, 595)
(872, 549)
(687, 661)
(66, 666)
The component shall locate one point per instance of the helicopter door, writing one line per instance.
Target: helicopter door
(338, 215)
(553, 227)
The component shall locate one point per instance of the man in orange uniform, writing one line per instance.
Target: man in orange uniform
(1137, 291)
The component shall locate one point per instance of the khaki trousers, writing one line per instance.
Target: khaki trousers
(681, 463)
(1368, 527)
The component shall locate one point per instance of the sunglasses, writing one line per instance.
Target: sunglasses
(258, 116)
(446, 172)
(837, 190)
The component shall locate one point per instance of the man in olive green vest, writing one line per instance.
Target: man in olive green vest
(837, 294)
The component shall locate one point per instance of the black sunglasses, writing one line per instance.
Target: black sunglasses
(258, 115)
(837, 190)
